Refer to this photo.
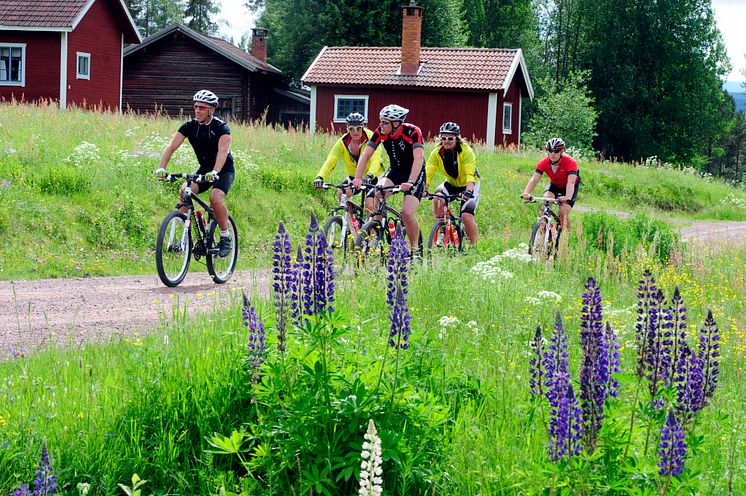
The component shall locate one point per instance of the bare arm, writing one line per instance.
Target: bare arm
(224, 146)
(362, 164)
(175, 143)
(570, 189)
(531, 185)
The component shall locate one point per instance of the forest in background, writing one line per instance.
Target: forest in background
(622, 79)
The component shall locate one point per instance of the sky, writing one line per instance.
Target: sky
(235, 20)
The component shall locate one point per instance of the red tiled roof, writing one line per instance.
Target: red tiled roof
(40, 13)
(457, 68)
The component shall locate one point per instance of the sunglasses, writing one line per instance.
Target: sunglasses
(385, 123)
(556, 151)
(447, 138)
(201, 107)
(355, 128)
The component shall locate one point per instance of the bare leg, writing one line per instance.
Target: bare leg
(217, 202)
(470, 224)
(409, 208)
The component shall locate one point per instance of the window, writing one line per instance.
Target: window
(507, 118)
(224, 111)
(84, 65)
(344, 105)
(12, 64)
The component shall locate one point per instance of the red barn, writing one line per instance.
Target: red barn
(480, 88)
(69, 51)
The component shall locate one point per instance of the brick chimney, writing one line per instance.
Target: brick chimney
(259, 43)
(411, 30)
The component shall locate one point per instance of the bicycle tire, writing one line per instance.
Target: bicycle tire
(370, 239)
(448, 245)
(337, 241)
(221, 268)
(171, 259)
(536, 245)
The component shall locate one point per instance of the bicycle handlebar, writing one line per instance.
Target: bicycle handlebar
(542, 198)
(447, 198)
(172, 177)
(345, 186)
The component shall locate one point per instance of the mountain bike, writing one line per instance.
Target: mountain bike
(447, 234)
(544, 240)
(184, 235)
(381, 227)
(345, 221)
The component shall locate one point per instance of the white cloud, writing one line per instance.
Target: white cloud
(234, 20)
(729, 15)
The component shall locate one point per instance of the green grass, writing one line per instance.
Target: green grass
(459, 422)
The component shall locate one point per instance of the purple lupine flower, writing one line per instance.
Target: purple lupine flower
(677, 315)
(23, 490)
(615, 367)
(555, 360)
(536, 364)
(296, 288)
(646, 292)
(45, 482)
(317, 272)
(396, 297)
(282, 278)
(257, 347)
(689, 386)
(594, 371)
(672, 448)
(659, 348)
(709, 354)
(565, 424)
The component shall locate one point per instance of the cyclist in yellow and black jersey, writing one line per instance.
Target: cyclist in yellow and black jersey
(348, 149)
(456, 161)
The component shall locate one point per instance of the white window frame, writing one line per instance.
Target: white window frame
(82, 56)
(337, 98)
(22, 46)
(508, 111)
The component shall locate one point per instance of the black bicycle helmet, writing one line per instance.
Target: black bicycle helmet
(450, 128)
(206, 96)
(555, 145)
(355, 119)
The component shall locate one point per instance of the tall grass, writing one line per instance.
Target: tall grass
(150, 405)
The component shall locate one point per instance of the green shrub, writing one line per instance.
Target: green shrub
(616, 236)
(63, 180)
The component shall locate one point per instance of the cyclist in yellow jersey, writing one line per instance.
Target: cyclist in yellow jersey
(348, 149)
(456, 161)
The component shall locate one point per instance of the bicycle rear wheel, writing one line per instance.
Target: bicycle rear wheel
(338, 240)
(221, 268)
(440, 242)
(537, 245)
(173, 249)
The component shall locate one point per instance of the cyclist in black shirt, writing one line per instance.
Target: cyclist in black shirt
(403, 143)
(211, 140)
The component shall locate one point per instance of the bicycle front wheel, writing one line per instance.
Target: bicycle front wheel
(338, 239)
(173, 249)
(540, 246)
(370, 239)
(221, 268)
(439, 240)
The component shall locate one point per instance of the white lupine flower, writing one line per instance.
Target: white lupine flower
(371, 484)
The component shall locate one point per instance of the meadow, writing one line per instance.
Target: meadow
(226, 404)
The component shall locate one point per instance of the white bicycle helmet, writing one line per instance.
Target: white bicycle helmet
(393, 113)
(555, 145)
(206, 96)
(450, 128)
(355, 119)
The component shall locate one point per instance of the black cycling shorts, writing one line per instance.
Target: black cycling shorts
(561, 191)
(398, 177)
(224, 182)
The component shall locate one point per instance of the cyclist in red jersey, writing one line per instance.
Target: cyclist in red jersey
(403, 143)
(564, 179)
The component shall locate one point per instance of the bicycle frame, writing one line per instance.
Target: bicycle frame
(452, 223)
(384, 210)
(550, 220)
(346, 209)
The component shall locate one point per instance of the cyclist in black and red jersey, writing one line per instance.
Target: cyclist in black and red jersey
(403, 143)
(564, 179)
(211, 140)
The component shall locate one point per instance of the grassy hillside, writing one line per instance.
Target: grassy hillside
(77, 197)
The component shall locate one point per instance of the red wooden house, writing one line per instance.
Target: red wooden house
(69, 51)
(163, 73)
(479, 88)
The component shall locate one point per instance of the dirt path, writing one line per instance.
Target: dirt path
(71, 311)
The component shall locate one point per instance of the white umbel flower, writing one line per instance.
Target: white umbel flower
(371, 482)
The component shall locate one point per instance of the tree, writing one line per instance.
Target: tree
(151, 16)
(199, 13)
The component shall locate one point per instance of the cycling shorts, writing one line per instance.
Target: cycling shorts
(398, 177)
(467, 207)
(224, 182)
(561, 192)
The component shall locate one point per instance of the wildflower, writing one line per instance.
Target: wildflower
(565, 424)
(45, 482)
(536, 364)
(645, 300)
(257, 348)
(23, 490)
(615, 367)
(594, 372)
(555, 360)
(672, 448)
(676, 317)
(282, 279)
(371, 482)
(689, 386)
(296, 288)
(317, 273)
(447, 321)
(659, 347)
(709, 353)
(396, 297)
(549, 295)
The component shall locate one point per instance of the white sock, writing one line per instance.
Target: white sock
(225, 234)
